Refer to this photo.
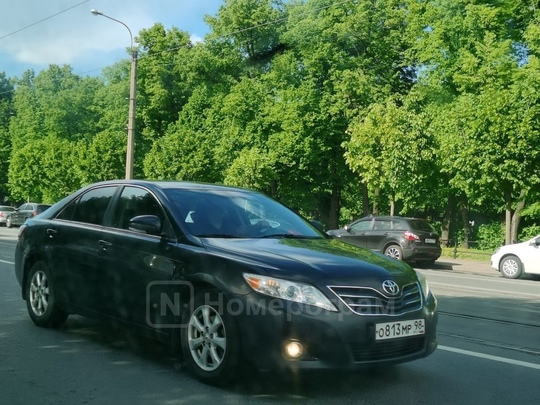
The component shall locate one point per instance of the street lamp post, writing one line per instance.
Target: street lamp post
(132, 96)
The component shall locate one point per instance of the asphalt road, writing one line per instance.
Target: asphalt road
(489, 353)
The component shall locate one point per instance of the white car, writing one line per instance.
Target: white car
(515, 260)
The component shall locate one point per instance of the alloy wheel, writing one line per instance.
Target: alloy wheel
(39, 293)
(207, 338)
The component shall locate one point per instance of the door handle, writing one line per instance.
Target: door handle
(104, 244)
(51, 232)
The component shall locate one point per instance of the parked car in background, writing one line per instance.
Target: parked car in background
(513, 261)
(25, 211)
(227, 276)
(401, 238)
(5, 210)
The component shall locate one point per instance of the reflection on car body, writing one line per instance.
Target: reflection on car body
(276, 293)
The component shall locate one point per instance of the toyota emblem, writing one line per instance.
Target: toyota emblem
(390, 287)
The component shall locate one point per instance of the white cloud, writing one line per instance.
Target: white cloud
(76, 34)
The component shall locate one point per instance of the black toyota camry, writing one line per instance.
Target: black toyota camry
(226, 275)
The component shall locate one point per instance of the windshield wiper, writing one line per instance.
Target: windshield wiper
(288, 236)
(217, 235)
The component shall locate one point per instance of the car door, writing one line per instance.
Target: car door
(18, 217)
(530, 256)
(142, 271)
(356, 232)
(74, 247)
(378, 234)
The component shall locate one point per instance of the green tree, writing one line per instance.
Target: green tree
(6, 112)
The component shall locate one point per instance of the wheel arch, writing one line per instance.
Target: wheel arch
(507, 255)
(30, 260)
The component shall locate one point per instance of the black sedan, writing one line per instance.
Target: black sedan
(227, 276)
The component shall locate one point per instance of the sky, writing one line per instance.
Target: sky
(37, 33)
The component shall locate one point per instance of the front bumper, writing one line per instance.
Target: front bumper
(331, 340)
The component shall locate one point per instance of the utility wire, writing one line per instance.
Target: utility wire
(45, 19)
(179, 47)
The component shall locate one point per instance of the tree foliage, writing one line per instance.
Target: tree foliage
(427, 108)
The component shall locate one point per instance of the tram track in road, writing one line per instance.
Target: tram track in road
(485, 340)
(488, 343)
(485, 318)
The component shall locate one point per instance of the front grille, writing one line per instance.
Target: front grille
(391, 349)
(368, 301)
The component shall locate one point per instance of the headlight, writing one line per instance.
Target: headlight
(289, 290)
(423, 283)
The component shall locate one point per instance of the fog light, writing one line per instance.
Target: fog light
(294, 349)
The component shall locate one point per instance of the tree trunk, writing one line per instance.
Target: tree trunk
(514, 227)
(376, 197)
(333, 217)
(365, 200)
(447, 220)
(508, 216)
(466, 224)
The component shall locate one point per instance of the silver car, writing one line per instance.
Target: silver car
(5, 210)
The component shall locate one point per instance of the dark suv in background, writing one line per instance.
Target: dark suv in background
(408, 239)
(25, 211)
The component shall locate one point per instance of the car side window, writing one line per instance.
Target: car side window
(381, 225)
(91, 207)
(135, 201)
(398, 225)
(361, 226)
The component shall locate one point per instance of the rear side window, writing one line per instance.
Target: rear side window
(421, 225)
(42, 207)
(91, 207)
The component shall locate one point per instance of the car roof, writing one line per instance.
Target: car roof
(387, 217)
(171, 184)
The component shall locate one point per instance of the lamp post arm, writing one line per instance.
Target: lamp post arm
(132, 99)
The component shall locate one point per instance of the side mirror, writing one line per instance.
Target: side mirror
(318, 225)
(347, 228)
(149, 224)
(535, 242)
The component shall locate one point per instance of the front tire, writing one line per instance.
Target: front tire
(40, 297)
(394, 251)
(210, 340)
(511, 267)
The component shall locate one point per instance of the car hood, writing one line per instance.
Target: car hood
(311, 260)
(516, 248)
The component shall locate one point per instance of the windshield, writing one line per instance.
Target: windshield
(237, 214)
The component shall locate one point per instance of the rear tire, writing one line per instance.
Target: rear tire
(210, 339)
(40, 297)
(8, 222)
(394, 251)
(511, 267)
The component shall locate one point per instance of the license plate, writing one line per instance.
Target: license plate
(394, 330)
(430, 240)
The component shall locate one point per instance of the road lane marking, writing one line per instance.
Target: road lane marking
(490, 357)
(4, 261)
(485, 290)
